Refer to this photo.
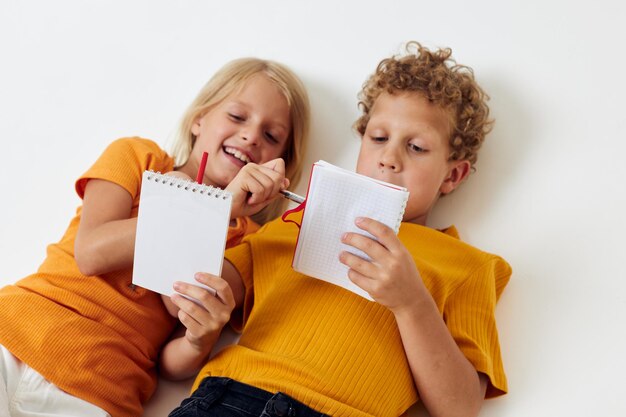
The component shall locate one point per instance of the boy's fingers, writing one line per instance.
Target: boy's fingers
(360, 280)
(357, 264)
(382, 232)
(372, 248)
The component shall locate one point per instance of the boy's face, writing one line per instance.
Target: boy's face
(406, 143)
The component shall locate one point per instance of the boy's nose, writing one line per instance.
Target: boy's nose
(390, 161)
(387, 165)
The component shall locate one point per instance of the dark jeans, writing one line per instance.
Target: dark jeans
(224, 397)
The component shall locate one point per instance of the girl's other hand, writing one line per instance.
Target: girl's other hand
(205, 317)
(255, 186)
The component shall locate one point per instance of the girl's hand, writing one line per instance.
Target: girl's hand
(255, 186)
(203, 320)
(391, 277)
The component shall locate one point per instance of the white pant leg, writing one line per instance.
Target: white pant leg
(4, 398)
(9, 368)
(31, 395)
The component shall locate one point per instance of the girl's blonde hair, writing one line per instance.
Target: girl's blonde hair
(230, 79)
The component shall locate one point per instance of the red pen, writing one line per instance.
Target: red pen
(201, 168)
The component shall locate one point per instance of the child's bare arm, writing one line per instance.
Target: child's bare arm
(106, 235)
(190, 346)
(105, 240)
(447, 382)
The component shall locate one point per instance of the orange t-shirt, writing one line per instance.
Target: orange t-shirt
(339, 353)
(95, 337)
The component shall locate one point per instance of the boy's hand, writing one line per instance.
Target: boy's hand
(255, 186)
(204, 321)
(391, 277)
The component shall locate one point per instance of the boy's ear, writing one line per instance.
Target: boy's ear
(459, 170)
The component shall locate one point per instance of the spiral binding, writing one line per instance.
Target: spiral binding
(208, 190)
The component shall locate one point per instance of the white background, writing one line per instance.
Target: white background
(75, 75)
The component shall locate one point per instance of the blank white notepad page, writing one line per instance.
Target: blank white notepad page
(181, 229)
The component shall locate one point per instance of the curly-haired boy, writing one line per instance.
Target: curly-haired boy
(309, 347)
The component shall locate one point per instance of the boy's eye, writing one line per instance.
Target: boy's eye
(236, 117)
(379, 139)
(416, 148)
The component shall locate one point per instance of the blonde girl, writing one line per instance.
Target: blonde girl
(77, 339)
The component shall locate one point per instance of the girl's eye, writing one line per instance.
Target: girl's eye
(271, 137)
(236, 117)
(379, 139)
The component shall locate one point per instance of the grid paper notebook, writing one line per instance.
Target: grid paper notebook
(181, 229)
(336, 197)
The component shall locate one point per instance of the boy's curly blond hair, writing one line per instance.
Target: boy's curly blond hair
(443, 82)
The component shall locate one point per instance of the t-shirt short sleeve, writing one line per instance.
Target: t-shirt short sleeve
(470, 317)
(124, 161)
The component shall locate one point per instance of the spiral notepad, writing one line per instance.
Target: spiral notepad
(181, 229)
(336, 197)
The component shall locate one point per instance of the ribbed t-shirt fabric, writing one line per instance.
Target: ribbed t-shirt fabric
(340, 353)
(95, 337)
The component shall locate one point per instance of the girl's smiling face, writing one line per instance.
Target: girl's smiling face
(250, 125)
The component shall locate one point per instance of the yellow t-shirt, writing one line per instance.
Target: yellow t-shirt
(95, 337)
(340, 353)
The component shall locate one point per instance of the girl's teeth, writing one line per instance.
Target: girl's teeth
(238, 155)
